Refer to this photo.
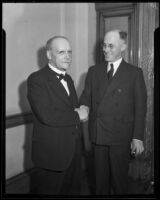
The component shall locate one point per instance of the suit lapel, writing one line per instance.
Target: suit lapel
(73, 94)
(117, 78)
(102, 79)
(57, 86)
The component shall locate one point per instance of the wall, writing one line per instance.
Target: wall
(28, 26)
(18, 149)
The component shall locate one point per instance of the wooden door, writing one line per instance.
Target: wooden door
(118, 16)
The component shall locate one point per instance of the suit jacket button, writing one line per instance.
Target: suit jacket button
(119, 90)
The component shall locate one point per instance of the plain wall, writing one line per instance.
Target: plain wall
(28, 26)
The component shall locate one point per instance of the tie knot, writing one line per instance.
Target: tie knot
(61, 76)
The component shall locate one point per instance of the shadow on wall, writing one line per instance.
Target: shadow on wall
(27, 163)
(24, 104)
(41, 57)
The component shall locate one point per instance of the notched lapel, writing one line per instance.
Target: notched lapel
(102, 80)
(73, 94)
(57, 86)
(117, 79)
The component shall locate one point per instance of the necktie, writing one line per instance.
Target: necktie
(110, 72)
(61, 76)
(65, 82)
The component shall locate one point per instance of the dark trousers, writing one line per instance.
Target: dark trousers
(111, 168)
(66, 182)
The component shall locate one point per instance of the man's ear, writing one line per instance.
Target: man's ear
(123, 47)
(48, 55)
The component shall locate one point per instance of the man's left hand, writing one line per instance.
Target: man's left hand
(137, 147)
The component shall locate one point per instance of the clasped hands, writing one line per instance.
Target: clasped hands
(83, 112)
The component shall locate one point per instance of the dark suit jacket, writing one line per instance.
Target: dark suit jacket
(56, 124)
(117, 108)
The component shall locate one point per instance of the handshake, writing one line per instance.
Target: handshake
(83, 112)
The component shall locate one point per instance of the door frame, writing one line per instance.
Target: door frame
(131, 10)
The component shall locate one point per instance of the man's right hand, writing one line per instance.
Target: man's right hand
(83, 112)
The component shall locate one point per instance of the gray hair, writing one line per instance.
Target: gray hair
(49, 42)
(122, 34)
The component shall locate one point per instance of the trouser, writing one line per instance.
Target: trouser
(111, 168)
(66, 182)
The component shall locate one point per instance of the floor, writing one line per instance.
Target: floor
(135, 187)
(21, 186)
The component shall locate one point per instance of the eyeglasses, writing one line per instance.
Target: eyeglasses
(105, 46)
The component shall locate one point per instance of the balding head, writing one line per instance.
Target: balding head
(122, 34)
(53, 39)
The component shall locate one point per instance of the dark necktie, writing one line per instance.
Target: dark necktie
(61, 76)
(65, 78)
(110, 72)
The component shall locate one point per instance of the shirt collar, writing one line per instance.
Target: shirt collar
(56, 70)
(116, 64)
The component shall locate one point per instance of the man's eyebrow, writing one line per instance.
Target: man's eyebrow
(108, 44)
(64, 51)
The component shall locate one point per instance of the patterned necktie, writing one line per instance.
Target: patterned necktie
(110, 72)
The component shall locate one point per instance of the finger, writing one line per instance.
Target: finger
(84, 119)
(133, 148)
(141, 150)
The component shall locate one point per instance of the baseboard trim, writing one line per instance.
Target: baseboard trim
(19, 184)
(19, 119)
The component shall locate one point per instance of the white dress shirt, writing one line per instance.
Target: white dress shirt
(115, 64)
(64, 83)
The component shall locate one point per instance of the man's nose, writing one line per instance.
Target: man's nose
(67, 55)
(106, 49)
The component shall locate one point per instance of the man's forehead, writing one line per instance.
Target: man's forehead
(111, 36)
(60, 41)
(61, 44)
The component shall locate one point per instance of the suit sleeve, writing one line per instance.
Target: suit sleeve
(85, 98)
(44, 111)
(140, 99)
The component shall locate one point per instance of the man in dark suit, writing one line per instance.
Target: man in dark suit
(115, 94)
(56, 142)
